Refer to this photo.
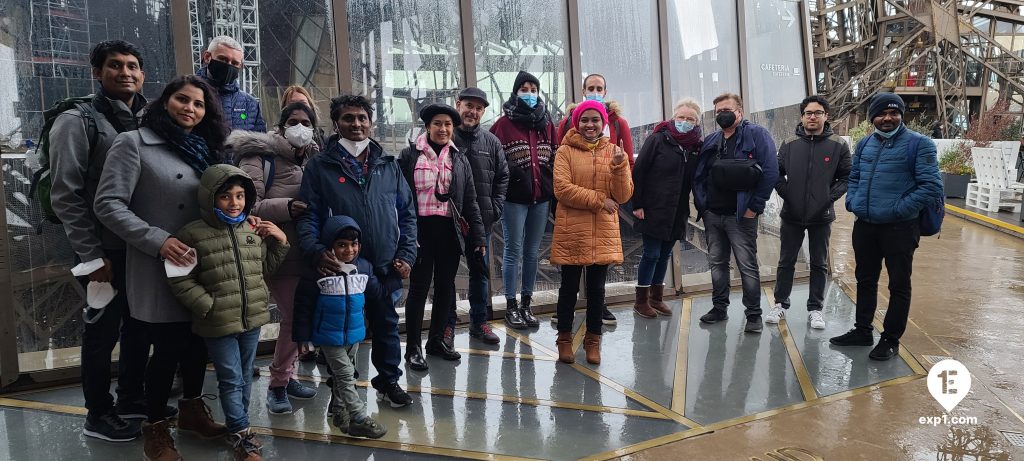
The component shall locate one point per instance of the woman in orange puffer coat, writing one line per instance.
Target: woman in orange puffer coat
(591, 179)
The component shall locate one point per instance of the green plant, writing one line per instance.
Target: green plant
(956, 159)
(858, 132)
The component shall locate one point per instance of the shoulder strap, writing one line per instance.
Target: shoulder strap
(269, 167)
(915, 141)
(91, 130)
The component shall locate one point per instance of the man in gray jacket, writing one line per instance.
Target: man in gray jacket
(490, 176)
(814, 166)
(78, 149)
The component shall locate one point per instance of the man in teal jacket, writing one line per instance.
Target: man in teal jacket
(887, 195)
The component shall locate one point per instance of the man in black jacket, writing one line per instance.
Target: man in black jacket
(490, 176)
(813, 169)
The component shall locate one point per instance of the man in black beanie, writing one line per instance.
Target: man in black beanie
(891, 181)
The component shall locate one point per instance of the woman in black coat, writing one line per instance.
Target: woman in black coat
(662, 180)
(448, 225)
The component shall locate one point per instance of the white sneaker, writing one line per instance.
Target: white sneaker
(775, 313)
(817, 320)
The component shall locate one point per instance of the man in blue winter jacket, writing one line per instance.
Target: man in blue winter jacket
(736, 173)
(222, 62)
(887, 192)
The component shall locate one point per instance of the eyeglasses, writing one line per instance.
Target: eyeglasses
(719, 111)
(817, 113)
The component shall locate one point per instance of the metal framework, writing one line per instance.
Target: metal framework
(61, 41)
(946, 49)
(239, 19)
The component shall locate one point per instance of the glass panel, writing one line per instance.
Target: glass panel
(516, 35)
(631, 63)
(405, 54)
(703, 49)
(46, 59)
(775, 67)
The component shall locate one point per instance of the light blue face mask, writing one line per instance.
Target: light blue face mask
(221, 215)
(595, 97)
(887, 134)
(684, 126)
(529, 98)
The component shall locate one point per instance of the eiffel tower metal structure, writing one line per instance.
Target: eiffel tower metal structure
(952, 48)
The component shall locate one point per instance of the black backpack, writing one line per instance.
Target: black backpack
(42, 182)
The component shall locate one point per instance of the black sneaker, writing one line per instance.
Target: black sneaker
(854, 337)
(394, 395)
(484, 333)
(885, 350)
(111, 428)
(607, 317)
(753, 324)
(368, 428)
(715, 315)
(137, 410)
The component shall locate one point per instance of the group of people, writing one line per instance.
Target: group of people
(197, 217)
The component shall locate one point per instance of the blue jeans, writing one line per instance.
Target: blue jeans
(725, 233)
(653, 261)
(523, 228)
(232, 357)
(479, 292)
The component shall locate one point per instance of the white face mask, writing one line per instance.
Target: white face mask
(355, 147)
(180, 271)
(299, 135)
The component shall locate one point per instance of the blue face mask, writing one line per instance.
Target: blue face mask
(684, 126)
(529, 98)
(887, 134)
(227, 219)
(595, 97)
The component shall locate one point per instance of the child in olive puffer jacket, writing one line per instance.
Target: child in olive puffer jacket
(226, 292)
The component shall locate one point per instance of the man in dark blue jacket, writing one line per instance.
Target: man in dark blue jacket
(730, 194)
(222, 62)
(354, 177)
(887, 192)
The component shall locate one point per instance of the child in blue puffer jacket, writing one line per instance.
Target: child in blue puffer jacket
(329, 314)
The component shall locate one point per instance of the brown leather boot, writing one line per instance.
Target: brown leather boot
(246, 447)
(564, 343)
(158, 445)
(641, 306)
(592, 346)
(194, 416)
(657, 291)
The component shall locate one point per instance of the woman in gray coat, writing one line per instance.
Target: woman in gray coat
(148, 190)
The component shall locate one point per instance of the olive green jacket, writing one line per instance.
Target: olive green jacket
(225, 292)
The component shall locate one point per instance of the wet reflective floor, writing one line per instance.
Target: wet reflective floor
(667, 388)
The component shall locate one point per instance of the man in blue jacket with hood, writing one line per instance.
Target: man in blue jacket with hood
(222, 62)
(736, 173)
(353, 176)
(887, 192)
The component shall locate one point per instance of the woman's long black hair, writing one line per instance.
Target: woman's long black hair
(211, 128)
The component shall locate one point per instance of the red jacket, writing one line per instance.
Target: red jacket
(618, 128)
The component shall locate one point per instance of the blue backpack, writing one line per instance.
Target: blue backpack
(930, 218)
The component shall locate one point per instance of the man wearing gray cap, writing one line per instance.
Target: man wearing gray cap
(490, 176)
(894, 176)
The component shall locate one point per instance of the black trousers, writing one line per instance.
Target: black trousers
(437, 260)
(568, 293)
(792, 238)
(174, 344)
(98, 340)
(894, 244)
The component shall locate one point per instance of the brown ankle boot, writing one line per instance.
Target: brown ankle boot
(641, 306)
(564, 343)
(657, 291)
(592, 346)
(246, 447)
(157, 442)
(194, 416)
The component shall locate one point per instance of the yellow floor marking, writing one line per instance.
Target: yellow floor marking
(802, 375)
(679, 380)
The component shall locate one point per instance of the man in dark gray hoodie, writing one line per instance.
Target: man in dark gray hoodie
(814, 166)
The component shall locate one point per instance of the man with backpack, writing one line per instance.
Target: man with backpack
(75, 147)
(894, 190)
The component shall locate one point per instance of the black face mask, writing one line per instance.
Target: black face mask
(725, 119)
(221, 73)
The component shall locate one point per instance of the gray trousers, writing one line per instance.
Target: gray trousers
(727, 235)
(342, 360)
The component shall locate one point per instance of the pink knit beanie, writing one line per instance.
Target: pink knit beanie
(585, 106)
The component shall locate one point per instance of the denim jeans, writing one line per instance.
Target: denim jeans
(791, 239)
(523, 228)
(342, 362)
(653, 261)
(232, 357)
(725, 233)
(479, 292)
(386, 346)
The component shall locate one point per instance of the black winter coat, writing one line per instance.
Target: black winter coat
(662, 181)
(463, 194)
(813, 173)
(490, 171)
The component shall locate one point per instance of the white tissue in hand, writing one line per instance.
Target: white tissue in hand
(86, 268)
(99, 294)
(180, 271)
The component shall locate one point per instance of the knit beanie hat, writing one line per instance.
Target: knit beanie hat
(522, 78)
(882, 101)
(585, 106)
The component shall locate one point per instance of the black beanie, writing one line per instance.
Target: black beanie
(883, 101)
(522, 78)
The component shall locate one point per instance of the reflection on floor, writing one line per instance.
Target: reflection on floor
(659, 378)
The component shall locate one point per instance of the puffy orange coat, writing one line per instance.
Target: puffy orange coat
(585, 233)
